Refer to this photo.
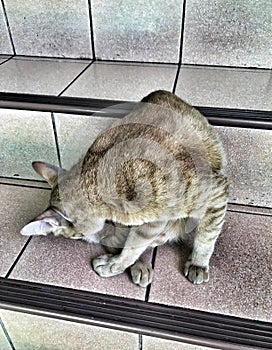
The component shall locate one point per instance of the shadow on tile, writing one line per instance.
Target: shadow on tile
(240, 272)
(18, 206)
(67, 263)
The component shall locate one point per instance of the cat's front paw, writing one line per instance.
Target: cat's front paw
(196, 274)
(107, 266)
(141, 273)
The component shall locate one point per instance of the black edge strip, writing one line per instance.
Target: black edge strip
(132, 315)
(110, 108)
(148, 288)
(24, 185)
(8, 26)
(22, 179)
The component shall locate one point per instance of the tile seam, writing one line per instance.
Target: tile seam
(56, 137)
(18, 257)
(6, 334)
(75, 79)
(91, 29)
(8, 27)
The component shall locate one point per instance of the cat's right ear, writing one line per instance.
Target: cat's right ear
(47, 171)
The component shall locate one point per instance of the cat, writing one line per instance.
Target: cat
(150, 173)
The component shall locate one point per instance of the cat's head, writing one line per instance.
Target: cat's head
(53, 220)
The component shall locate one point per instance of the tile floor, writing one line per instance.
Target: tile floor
(241, 266)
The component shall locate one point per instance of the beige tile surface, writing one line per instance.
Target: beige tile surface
(26, 136)
(137, 31)
(67, 263)
(38, 76)
(151, 343)
(18, 206)
(29, 332)
(240, 272)
(226, 87)
(55, 28)
(4, 344)
(118, 81)
(227, 32)
(5, 45)
(76, 133)
(249, 165)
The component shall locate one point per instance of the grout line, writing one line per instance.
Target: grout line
(182, 32)
(129, 62)
(21, 179)
(140, 342)
(18, 257)
(56, 58)
(91, 29)
(148, 288)
(249, 212)
(56, 138)
(248, 205)
(7, 59)
(8, 27)
(7, 334)
(197, 65)
(27, 186)
(72, 82)
(180, 45)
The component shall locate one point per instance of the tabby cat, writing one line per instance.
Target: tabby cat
(150, 173)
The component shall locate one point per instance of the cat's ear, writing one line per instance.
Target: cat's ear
(47, 171)
(36, 228)
(42, 225)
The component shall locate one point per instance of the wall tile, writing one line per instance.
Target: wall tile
(5, 45)
(25, 137)
(128, 82)
(146, 31)
(30, 332)
(151, 343)
(228, 88)
(249, 165)
(227, 32)
(20, 205)
(50, 28)
(4, 344)
(76, 133)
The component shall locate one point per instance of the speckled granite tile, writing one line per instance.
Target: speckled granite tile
(137, 31)
(26, 136)
(47, 77)
(224, 32)
(76, 133)
(55, 29)
(240, 272)
(249, 165)
(30, 332)
(5, 44)
(152, 343)
(226, 87)
(67, 263)
(4, 344)
(18, 206)
(129, 82)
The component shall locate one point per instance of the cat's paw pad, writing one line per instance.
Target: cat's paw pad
(107, 265)
(196, 274)
(141, 273)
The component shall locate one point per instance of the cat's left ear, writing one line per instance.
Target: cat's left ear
(47, 171)
(42, 225)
